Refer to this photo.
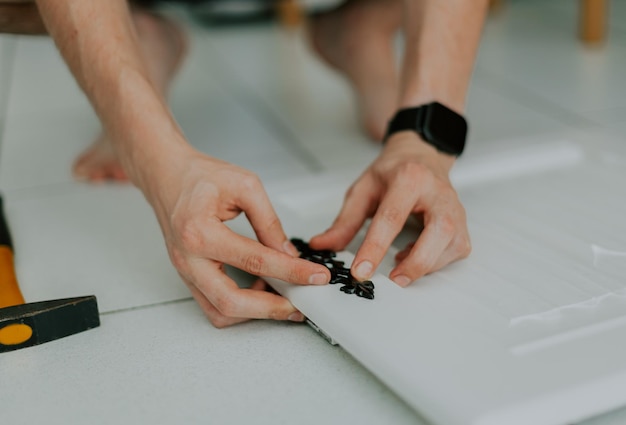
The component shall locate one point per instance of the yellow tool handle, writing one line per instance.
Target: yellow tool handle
(10, 293)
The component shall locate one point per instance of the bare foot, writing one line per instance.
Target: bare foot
(99, 163)
(163, 45)
(356, 39)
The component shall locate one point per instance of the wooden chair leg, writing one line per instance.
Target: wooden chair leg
(593, 19)
(495, 5)
(290, 14)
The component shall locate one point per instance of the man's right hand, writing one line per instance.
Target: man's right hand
(192, 202)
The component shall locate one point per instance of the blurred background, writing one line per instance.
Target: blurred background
(545, 66)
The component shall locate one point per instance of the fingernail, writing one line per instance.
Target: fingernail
(318, 279)
(288, 248)
(364, 270)
(402, 280)
(296, 316)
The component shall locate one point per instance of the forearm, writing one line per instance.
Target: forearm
(442, 40)
(98, 41)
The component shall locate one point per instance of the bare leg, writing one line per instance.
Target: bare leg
(357, 39)
(163, 45)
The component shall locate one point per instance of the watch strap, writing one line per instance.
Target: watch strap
(437, 125)
(407, 119)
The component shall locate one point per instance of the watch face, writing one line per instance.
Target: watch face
(445, 129)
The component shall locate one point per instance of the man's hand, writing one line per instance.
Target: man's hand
(409, 177)
(192, 194)
(192, 204)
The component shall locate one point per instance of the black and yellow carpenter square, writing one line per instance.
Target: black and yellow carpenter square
(24, 325)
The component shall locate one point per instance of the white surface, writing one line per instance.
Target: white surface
(110, 239)
(7, 50)
(167, 365)
(257, 91)
(482, 337)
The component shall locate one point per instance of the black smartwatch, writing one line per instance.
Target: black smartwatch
(437, 125)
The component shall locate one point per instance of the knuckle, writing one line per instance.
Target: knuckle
(420, 267)
(254, 264)
(446, 225)
(392, 216)
(416, 267)
(412, 271)
(464, 247)
(273, 224)
(297, 275)
(374, 246)
(410, 171)
(178, 260)
(226, 306)
(251, 183)
(190, 235)
(418, 270)
(446, 191)
(219, 322)
(276, 314)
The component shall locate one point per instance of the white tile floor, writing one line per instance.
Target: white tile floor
(254, 96)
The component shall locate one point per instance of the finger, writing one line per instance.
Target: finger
(357, 207)
(388, 221)
(401, 255)
(264, 220)
(450, 254)
(262, 285)
(426, 252)
(446, 258)
(233, 302)
(259, 285)
(260, 260)
(216, 318)
(459, 248)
